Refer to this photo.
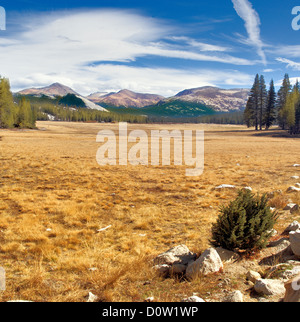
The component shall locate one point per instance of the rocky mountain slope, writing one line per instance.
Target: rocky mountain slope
(222, 100)
(190, 102)
(53, 90)
(126, 98)
(58, 89)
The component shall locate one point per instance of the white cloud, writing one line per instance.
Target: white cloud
(290, 63)
(62, 46)
(252, 24)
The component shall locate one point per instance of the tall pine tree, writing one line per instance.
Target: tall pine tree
(262, 100)
(282, 96)
(8, 110)
(270, 113)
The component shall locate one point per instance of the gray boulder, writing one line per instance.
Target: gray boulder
(209, 262)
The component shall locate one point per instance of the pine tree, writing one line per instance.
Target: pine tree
(245, 224)
(26, 117)
(251, 114)
(270, 113)
(282, 96)
(262, 100)
(8, 110)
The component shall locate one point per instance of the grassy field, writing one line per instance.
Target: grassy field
(54, 198)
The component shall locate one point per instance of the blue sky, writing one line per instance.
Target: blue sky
(153, 46)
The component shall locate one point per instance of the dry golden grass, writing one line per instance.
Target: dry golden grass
(54, 197)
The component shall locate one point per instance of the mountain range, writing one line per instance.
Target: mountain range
(190, 102)
(58, 89)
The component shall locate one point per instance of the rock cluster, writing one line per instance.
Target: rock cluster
(280, 282)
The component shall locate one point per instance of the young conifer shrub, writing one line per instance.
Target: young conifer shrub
(245, 224)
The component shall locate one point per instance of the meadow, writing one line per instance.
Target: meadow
(55, 200)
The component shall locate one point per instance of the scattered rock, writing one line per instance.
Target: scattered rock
(176, 255)
(280, 244)
(247, 188)
(208, 262)
(149, 299)
(103, 229)
(292, 294)
(227, 255)
(295, 225)
(92, 298)
(290, 273)
(235, 296)
(295, 177)
(193, 299)
(292, 207)
(269, 287)
(297, 185)
(225, 186)
(296, 165)
(295, 242)
(253, 276)
(293, 189)
(177, 269)
(162, 269)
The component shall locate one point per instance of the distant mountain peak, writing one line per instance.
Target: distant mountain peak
(222, 100)
(55, 89)
(126, 98)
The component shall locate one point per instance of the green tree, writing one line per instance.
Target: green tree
(251, 114)
(8, 110)
(245, 224)
(263, 96)
(270, 113)
(282, 96)
(26, 118)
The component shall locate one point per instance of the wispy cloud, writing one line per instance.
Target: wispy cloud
(62, 46)
(292, 64)
(252, 24)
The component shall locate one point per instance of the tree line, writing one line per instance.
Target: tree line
(266, 107)
(20, 115)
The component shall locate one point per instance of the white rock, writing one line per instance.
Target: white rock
(292, 207)
(295, 177)
(279, 245)
(295, 242)
(162, 269)
(149, 299)
(293, 189)
(92, 298)
(253, 276)
(295, 225)
(235, 296)
(193, 299)
(227, 255)
(179, 255)
(248, 188)
(290, 273)
(292, 291)
(296, 165)
(225, 186)
(208, 262)
(103, 229)
(269, 287)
